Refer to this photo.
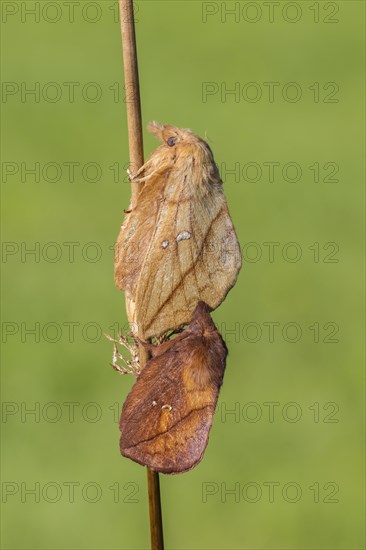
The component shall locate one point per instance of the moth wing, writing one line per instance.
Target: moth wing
(140, 223)
(133, 240)
(193, 255)
(166, 418)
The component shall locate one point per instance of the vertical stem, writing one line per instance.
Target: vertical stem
(136, 152)
(156, 521)
(132, 90)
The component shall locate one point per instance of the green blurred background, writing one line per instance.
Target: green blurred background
(296, 474)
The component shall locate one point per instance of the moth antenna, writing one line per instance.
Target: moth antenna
(156, 129)
(154, 124)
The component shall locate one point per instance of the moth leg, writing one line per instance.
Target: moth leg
(144, 169)
(141, 180)
(132, 177)
(146, 345)
(168, 335)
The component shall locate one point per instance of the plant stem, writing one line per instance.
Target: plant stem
(156, 522)
(136, 152)
(132, 90)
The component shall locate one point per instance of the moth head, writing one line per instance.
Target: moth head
(170, 135)
(202, 322)
(183, 149)
(179, 139)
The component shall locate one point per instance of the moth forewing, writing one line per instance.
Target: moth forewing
(200, 262)
(167, 416)
(178, 245)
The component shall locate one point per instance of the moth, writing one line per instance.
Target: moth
(167, 416)
(178, 245)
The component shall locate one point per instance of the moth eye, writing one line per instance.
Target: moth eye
(171, 141)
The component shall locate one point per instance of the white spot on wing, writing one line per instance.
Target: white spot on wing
(183, 235)
(165, 244)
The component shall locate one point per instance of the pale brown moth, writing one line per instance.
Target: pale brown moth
(177, 246)
(167, 416)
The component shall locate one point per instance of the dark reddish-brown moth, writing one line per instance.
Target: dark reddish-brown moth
(177, 246)
(167, 416)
